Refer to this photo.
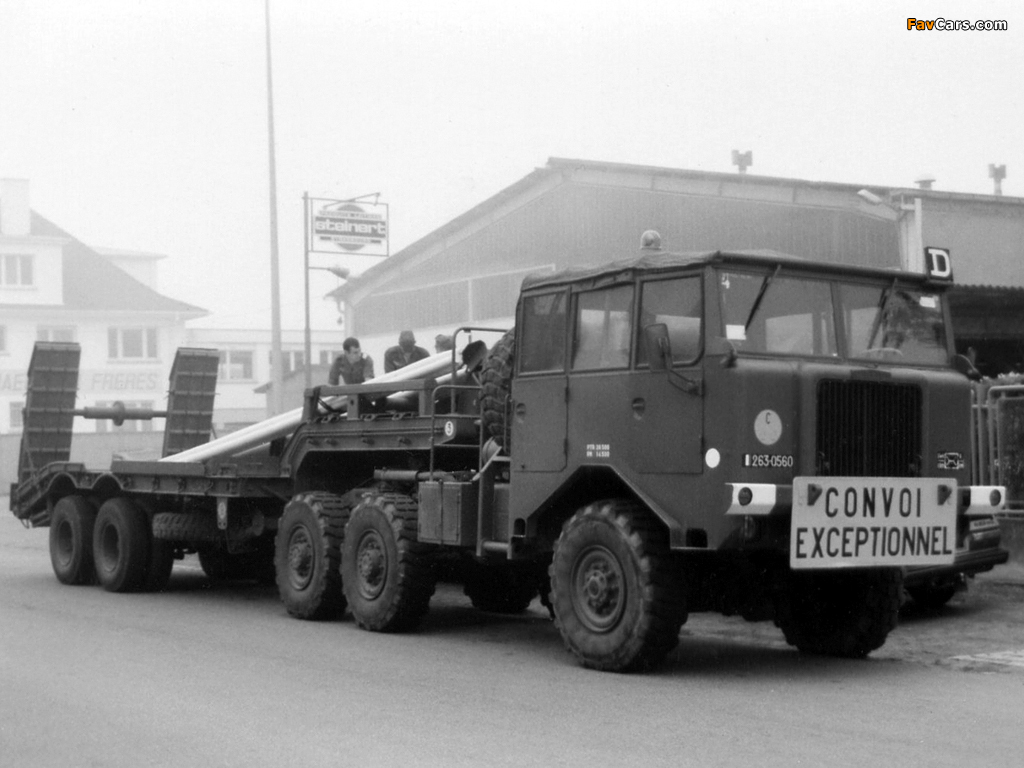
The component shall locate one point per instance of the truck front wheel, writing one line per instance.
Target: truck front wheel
(387, 579)
(71, 527)
(307, 556)
(846, 614)
(617, 600)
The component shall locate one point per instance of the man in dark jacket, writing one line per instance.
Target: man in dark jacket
(404, 353)
(352, 367)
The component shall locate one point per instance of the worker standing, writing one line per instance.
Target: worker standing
(403, 353)
(352, 366)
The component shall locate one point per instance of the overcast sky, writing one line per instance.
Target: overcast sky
(143, 124)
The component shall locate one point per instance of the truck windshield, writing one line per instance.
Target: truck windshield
(894, 322)
(770, 312)
(778, 314)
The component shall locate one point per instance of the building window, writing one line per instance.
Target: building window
(17, 415)
(294, 360)
(45, 333)
(328, 356)
(3, 338)
(132, 343)
(16, 269)
(235, 365)
(130, 425)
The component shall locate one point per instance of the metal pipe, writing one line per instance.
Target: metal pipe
(284, 424)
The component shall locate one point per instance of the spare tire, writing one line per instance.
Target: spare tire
(496, 380)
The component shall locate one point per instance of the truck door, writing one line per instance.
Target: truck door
(666, 407)
(539, 389)
(600, 416)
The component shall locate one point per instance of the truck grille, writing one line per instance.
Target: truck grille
(868, 429)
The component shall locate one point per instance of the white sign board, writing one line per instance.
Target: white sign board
(339, 226)
(872, 521)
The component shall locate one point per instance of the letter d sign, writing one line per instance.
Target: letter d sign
(938, 264)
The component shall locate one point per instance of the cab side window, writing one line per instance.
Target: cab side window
(603, 328)
(678, 304)
(541, 343)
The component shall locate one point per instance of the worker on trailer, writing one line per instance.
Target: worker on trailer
(403, 353)
(352, 366)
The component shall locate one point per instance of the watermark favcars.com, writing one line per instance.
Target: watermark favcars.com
(946, 25)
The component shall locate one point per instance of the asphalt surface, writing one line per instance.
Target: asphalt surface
(221, 676)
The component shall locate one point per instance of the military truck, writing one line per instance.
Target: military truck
(743, 432)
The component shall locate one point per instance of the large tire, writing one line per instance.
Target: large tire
(843, 613)
(501, 588)
(618, 601)
(161, 562)
(496, 381)
(932, 596)
(386, 575)
(71, 527)
(187, 527)
(307, 556)
(257, 565)
(121, 545)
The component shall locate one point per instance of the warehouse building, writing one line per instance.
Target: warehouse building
(575, 212)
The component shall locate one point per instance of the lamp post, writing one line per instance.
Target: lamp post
(339, 272)
(276, 361)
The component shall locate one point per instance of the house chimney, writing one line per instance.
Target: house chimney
(997, 173)
(925, 181)
(14, 210)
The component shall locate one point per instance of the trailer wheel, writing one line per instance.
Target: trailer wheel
(496, 380)
(501, 588)
(161, 562)
(387, 579)
(307, 556)
(71, 527)
(846, 614)
(617, 600)
(121, 545)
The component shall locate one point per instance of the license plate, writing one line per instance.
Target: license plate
(855, 521)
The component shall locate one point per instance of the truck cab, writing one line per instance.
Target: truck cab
(783, 421)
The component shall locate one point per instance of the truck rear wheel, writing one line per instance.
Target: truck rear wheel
(121, 545)
(307, 556)
(386, 577)
(71, 527)
(496, 379)
(846, 614)
(617, 600)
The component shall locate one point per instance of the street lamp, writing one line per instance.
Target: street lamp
(340, 272)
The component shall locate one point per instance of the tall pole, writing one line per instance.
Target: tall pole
(276, 361)
(305, 276)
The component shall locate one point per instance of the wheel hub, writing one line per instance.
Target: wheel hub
(300, 559)
(371, 566)
(598, 589)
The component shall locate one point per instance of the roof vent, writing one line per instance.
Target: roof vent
(925, 181)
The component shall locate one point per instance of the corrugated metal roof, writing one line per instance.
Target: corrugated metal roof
(92, 282)
(566, 167)
(664, 260)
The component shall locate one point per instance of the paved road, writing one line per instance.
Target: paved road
(201, 676)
